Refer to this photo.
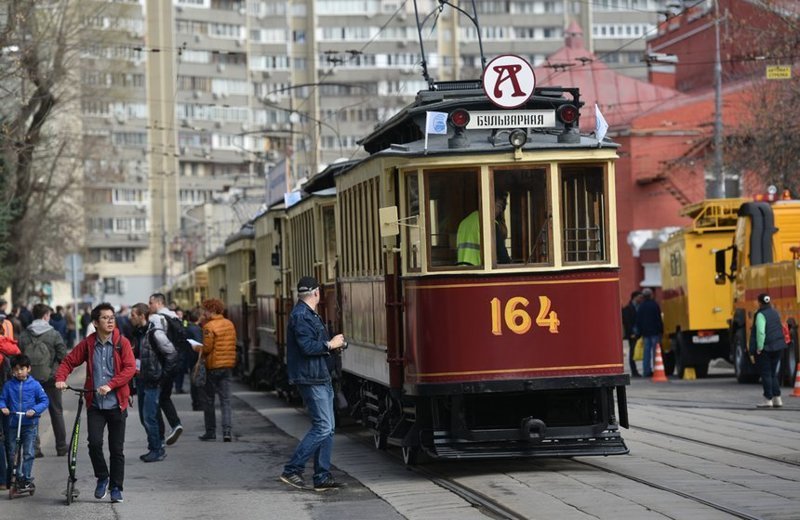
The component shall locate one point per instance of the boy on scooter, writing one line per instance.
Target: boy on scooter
(22, 393)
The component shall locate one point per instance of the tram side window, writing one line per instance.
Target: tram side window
(584, 214)
(413, 230)
(453, 197)
(523, 227)
(329, 234)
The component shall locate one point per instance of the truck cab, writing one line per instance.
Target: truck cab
(764, 258)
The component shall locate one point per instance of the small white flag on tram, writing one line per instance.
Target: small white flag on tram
(291, 198)
(600, 124)
(435, 123)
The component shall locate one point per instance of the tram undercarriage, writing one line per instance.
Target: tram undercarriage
(547, 422)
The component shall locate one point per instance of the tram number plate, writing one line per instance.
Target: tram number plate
(511, 119)
(714, 338)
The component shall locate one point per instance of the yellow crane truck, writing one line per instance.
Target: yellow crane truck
(697, 310)
(764, 257)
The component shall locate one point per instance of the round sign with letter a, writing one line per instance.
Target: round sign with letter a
(508, 80)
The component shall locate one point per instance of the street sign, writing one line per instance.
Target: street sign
(779, 72)
(520, 119)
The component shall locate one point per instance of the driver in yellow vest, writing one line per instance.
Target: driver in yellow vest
(469, 235)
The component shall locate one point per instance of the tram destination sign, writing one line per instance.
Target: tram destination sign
(491, 119)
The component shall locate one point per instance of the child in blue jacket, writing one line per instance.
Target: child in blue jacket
(22, 393)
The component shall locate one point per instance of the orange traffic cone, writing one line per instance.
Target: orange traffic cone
(658, 372)
(796, 391)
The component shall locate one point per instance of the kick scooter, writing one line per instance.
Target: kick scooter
(16, 487)
(72, 460)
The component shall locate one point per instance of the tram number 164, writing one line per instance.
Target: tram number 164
(517, 319)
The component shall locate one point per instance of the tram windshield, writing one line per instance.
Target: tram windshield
(523, 225)
(519, 202)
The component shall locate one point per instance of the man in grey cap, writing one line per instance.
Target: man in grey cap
(307, 350)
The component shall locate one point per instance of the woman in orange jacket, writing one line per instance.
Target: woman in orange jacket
(219, 354)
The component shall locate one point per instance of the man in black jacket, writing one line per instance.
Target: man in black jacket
(629, 328)
(650, 326)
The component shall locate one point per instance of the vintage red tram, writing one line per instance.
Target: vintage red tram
(482, 359)
(510, 350)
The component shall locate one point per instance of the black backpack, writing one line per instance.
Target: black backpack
(176, 333)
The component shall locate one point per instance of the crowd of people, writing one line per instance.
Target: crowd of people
(146, 350)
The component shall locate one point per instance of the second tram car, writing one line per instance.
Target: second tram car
(509, 349)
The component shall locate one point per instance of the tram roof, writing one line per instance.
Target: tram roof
(247, 231)
(404, 133)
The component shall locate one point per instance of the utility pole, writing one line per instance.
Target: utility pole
(719, 170)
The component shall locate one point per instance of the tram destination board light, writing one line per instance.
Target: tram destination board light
(567, 114)
(459, 118)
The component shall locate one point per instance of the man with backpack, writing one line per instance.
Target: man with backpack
(157, 357)
(45, 347)
(177, 336)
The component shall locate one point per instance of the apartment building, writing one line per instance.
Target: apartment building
(194, 110)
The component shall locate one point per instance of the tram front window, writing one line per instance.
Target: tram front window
(523, 226)
(452, 196)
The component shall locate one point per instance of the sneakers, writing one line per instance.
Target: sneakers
(294, 479)
(101, 490)
(176, 432)
(327, 485)
(116, 495)
(208, 437)
(154, 456)
(767, 403)
(26, 486)
(60, 452)
(226, 437)
(777, 402)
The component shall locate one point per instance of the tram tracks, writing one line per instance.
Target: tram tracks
(714, 445)
(495, 509)
(689, 496)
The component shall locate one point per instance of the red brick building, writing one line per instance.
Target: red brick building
(666, 127)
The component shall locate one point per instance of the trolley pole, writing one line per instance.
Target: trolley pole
(719, 170)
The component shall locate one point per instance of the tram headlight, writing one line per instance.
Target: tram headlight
(518, 138)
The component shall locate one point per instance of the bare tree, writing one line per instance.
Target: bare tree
(39, 137)
(765, 145)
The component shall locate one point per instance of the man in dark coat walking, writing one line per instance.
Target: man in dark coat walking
(650, 326)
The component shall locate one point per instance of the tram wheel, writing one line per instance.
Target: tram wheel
(410, 455)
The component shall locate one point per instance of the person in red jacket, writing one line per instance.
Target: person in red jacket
(110, 365)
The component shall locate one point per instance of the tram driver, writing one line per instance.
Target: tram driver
(469, 234)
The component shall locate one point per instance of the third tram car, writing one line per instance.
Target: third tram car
(473, 274)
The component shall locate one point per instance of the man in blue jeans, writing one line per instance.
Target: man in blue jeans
(650, 326)
(308, 349)
(157, 357)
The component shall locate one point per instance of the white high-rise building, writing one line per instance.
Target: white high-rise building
(196, 111)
